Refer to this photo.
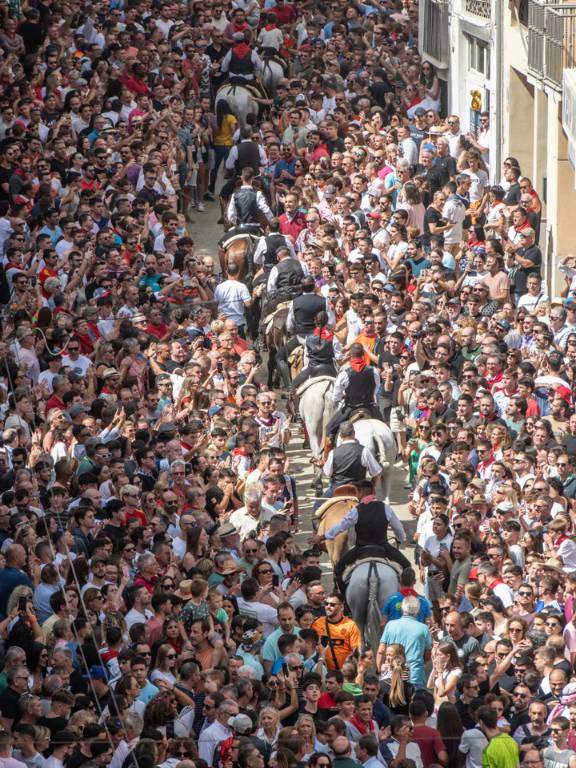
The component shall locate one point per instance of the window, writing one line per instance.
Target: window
(478, 56)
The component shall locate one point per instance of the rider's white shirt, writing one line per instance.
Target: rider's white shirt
(351, 518)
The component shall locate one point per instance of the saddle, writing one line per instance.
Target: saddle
(359, 414)
(235, 236)
(347, 496)
(296, 359)
(370, 554)
(308, 383)
(276, 317)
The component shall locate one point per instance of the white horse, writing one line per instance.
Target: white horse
(369, 586)
(316, 409)
(240, 101)
(272, 73)
(379, 438)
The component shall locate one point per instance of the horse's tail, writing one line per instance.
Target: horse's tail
(372, 629)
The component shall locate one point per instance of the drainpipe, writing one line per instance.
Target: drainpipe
(499, 111)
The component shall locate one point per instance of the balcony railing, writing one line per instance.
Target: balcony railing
(435, 40)
(481, 8)
(551, 41)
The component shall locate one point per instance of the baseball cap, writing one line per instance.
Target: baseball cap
(419, 112)
(241, 724)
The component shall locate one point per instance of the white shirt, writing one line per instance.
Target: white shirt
(260, 202)
(341, 384)
(136, 617)
(231, 297)
(265, 614)
(367, 460)
(209, 740)
(233, 156)
(244, 522)
(472, 745)
(351, 518)
(79, 366)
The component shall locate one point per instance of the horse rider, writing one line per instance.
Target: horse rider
(349, 462)
(248, 209)
(370, 519)
(242, 64)
(299, 323)
(245, 154)
(249, 214)
(356, 386)
(266, 253)
(321, 351)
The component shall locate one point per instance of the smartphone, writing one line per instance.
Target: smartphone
(275, 580)
(219, 367)
(285, 669)
(324, 641)
(22, 604)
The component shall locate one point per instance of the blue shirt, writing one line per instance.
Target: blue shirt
(415, 639)
(290, 166)
(393, 607)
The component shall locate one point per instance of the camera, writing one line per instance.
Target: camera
(419, 334)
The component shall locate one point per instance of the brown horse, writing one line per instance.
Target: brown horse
(272, 328)
(332, 512)
(234, 250)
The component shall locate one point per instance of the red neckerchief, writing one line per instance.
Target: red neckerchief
(363, 728)
(560, 539)
(240, 452)
(241, 50)
(270, 27)
(495, 583)
(357, 364)
(368, 498)
(324, 333)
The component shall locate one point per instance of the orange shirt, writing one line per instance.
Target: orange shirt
(343, 637)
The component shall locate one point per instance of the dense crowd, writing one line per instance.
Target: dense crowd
(155, 609)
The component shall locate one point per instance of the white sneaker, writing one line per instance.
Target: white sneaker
(200, 207)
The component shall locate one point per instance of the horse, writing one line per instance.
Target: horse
(370, 584)
(272, 73)
(272, 330)
(236, 247)
(379, 438)
(316, 408)
(240, 99)
(330, 513)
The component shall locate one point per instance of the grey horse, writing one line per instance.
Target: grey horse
(370, 585)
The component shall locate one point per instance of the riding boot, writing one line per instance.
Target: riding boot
(327, 446)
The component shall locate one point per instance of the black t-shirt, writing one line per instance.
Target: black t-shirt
(54, 724)
(77, 758)
(513, 195)
(431, 216)
(9, 705)
(5, 176)
(335, 145)
(378, 91)
(534, 254)
(447, 167)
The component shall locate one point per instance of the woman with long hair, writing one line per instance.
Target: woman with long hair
(165, 666)
(445, 674)
(451, 729)
(394, 675)
(197, 547)
(269, 725)
(307, 732)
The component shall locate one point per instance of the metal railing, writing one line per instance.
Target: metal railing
(551, 40)
(435, 42)
(481, 8)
